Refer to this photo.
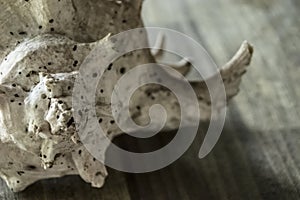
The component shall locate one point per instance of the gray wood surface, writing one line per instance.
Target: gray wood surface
(258, 155)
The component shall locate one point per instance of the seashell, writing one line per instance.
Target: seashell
(42, 45)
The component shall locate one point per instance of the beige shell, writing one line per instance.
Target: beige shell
(42, 44)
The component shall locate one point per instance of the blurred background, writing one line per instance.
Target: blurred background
(257, 156)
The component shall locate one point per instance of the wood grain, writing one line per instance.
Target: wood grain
(258, 155)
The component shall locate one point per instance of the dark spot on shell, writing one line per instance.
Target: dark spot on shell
(75, 48)
(110, 66)
(22, 33)
(20, 173)
(75, 63)
(122, 70)
(51, 21)
(58, 155)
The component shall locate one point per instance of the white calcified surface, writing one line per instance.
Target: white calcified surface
(42, 44)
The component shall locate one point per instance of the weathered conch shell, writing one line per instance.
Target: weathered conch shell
(42, 45)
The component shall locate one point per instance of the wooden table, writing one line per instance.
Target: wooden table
(258, 155)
